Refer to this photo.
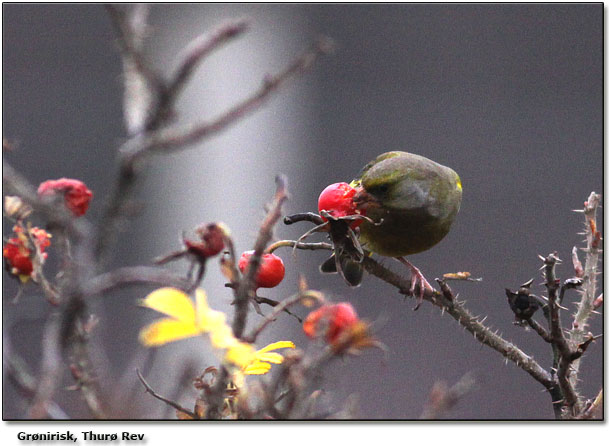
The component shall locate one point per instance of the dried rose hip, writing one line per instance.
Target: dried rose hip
(271, 271)
(212, 240)
(76, 194)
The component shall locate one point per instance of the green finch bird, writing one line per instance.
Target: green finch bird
(413, 201)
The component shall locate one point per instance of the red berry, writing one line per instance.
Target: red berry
(76, 194)
(329, 321)
(17, 257)
(271, 271)
(17, 250)
(337, 199)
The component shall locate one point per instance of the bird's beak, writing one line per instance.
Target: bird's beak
(363, 200)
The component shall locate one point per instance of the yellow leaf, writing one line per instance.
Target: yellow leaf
(222, 337)
(273, 357)
(172, 302)
(276, 346)
(208, 320)
(257, 368)
(166, 330)
(240, 354)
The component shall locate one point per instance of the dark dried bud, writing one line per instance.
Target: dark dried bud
(522, 303)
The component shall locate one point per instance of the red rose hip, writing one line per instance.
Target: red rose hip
(271, 271)
(337, 200)
(329, 321)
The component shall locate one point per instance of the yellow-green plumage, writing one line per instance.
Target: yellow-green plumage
(416, 198)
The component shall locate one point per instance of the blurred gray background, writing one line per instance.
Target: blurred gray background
(510, 96)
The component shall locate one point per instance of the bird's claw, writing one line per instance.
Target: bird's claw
(417, 278)
(423, 286)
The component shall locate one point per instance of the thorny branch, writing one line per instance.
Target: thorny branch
(134, 275)
(589, 275)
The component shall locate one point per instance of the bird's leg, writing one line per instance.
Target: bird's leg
(416, 277)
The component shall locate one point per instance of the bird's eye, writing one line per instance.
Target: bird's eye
(382, 189)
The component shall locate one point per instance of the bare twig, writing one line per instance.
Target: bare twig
(50, 369)
(245, 290)
(142, 84)
(173, 404)
(171, 139)
(188, 59)
(542, 332)
(298, 245)
(552, 285)
(163, 139)
(282, 306)
(134, 275)
(305, 216)
(273, 303)
(16, 371)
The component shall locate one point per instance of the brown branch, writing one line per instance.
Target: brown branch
(61, 334)
(281, 306)
(171, 139)
(298, 245)
(542, 332)
(134, 275)
(189, 58)
(16, 371)
(552, 285)
(571, 398)
(589, 275)
(161, 139)
(273, 303)
(245, 291)
(173, 404)
(50, 368)
(446, 301)
(142, 85)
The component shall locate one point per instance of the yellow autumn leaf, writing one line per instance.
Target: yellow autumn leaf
(166, 330)
(172, 302)
(257, 368)
(187, 319)
(276, 346)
